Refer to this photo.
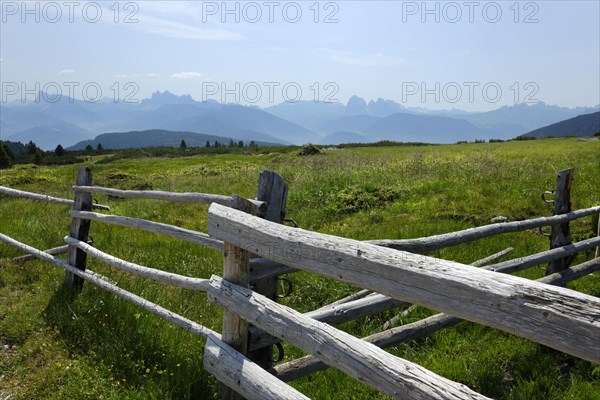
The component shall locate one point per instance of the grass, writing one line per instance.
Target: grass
(57, 345)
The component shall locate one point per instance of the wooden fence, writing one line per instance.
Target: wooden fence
(257, 248)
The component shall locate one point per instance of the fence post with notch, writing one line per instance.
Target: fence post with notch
(273, 190)
(560, 234)
(79, 229)
(236, 269)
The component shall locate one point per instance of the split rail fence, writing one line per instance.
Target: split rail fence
(257, 248)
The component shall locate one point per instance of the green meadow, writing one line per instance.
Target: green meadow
(55, 344)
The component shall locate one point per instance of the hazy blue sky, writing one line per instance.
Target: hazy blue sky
(543, 50)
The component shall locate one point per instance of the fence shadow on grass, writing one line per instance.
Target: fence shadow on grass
(132, 344)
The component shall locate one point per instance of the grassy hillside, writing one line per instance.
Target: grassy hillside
(57, 346)
(582, 125)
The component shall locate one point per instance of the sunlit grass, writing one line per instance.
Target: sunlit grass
(94, 345)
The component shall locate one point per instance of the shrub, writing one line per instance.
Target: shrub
(354, 199)
(309, 150)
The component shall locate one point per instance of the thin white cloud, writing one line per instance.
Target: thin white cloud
(137, 75)
(187, 75)
(179, 30)
(365, 60)
(66, 71)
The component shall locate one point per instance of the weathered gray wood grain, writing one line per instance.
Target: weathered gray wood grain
(363, 361)
(244, 376)
(436, 242)
(557, 317)
(151, 226)
(42, 197)
(392, 337)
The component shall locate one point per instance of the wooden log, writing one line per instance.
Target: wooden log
(557, 317)
(395, 319)
(491, 258)
(79, 229)
(105, 283)
(236, 269)
(563, 277)
(392, 337)
(598, 234)
(310, 364)
(235, 266)
(560, 235)
(333, 315)
(519, 264)
(244, 376)
(54, 251)
(273, 190)
(169, 278)
(151, 226)
(349, 311)
(361, 360)
(157, 195)
(186, 197)
(354, 296)
(261, 268)
(354, 309)
(42, 197)
(436, 242)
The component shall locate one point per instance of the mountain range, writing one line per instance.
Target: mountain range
(582, 125)
(154, 138)
(69, 121)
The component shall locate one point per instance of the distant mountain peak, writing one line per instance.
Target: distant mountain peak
(159, 99)
(356, 106)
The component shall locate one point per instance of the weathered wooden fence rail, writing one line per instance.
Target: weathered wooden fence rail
(437, 242)
(253, 381)
(560, 318)
(42, 197)
(246, 229)
(392, 337)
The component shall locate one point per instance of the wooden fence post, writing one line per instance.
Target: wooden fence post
(273, 190)
(560, 234)
(79, 229)
(598, 234)
(236, 269)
